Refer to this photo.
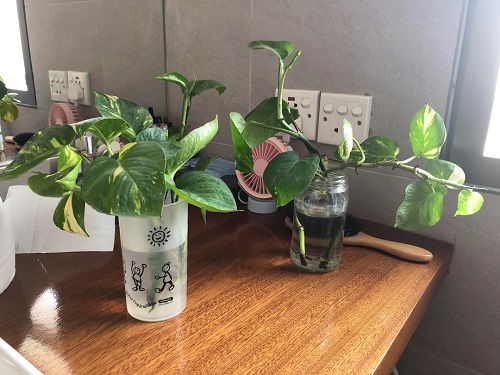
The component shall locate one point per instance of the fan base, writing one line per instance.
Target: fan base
(261, 206)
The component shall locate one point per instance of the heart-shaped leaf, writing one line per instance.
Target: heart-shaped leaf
(266, 113)
(190, 145)
(427, 133)
(469, 202)
(42, 145)
(8, 111)
(69, 214)
(287, 175)
(377, 149)
(153, 134)
(112, 106)
(197, 87)
(131, 183)
(421, 207)
(177, 78)
(107, 129)
(159, 136)
(81, 127)
(345, 147)
(203, 190)
(446, 170)
(281, 48)
(242, 152)
(57, 184)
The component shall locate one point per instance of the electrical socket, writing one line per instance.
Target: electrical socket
(333, 108)
(79, 87)
(306, 102)
(58, 83)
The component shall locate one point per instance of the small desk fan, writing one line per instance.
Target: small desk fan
(259, 198)
(63, 114)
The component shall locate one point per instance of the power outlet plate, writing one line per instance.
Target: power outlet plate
(306, 102)
(58, 83)
(333, 108)
(80, 82)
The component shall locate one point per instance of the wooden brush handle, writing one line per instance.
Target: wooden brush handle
(401, 250)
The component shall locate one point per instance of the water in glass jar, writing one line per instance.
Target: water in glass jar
(323, 242)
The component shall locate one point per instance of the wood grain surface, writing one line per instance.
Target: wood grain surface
(249, 310)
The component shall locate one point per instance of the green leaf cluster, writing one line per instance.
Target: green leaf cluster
(131, 182)
(287, 174)
(8, 104)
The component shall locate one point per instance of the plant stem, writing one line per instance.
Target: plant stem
(421, 173)
(302, 239)
(281, 83)
(185, 110)
(363, 156)
(110, 150)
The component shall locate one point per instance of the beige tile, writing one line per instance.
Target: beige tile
(401, 52)
(206, 40)
(131, 38)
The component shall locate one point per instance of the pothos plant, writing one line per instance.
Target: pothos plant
(8, 104)
(133, 181)
(287, 174)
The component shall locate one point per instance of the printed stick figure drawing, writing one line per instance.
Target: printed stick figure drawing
(137, 276)
(166, 278)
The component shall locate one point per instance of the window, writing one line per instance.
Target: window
(475, 119)
(491, 146)
(15, 61)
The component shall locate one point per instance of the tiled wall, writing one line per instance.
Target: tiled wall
(120, 42)
(401, 52)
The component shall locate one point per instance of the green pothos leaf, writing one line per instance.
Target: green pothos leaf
(266, 113)
(152, 134)
(445, 170)
(131, 183)
(191, 144)
(421, 208)
(377, 149)
(242, 151)
(427, 133)
(281, 48)
(469, 202)
(42, 145)
(177, 78)
(203, 190)
(8, 111)
(287, 175)
(69, 214)
(137, 117)
(198, 86)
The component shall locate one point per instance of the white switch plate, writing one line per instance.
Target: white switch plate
(306, 102)
(58, 83)
(333, 108)
(80, 81)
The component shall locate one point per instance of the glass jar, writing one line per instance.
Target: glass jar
(320, 210)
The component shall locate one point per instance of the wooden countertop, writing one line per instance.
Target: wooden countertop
(249, 309)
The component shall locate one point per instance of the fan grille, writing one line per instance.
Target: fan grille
(253, 183)
(63, 114)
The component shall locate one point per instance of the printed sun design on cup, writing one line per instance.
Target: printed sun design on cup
(158, 236)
